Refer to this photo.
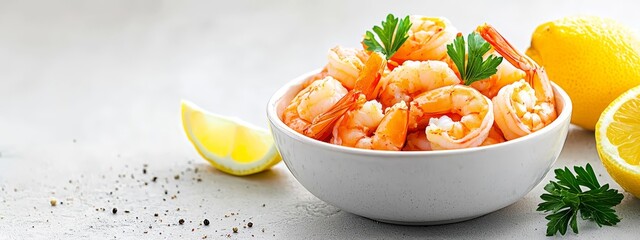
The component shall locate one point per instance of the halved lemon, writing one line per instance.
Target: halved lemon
(618, 140)
(230, 145)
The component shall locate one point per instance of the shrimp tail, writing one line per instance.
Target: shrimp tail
(536, 76)
(322, 125)
(391, 133)
(366, 84)
(369, 77)
(504, 48)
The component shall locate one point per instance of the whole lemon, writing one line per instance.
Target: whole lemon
(593, 59)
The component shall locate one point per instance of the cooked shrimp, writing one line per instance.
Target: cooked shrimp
(313, 100)
(413, 78)
(495, 136)
(428, 39)
(366, 84)
(315, 77)
(366, 127)
(459, 116)
(521, 107)
(506, 74)
(518, 112)
(345, 64)
(417, 141)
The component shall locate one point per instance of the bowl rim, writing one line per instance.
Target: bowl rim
(276, 122)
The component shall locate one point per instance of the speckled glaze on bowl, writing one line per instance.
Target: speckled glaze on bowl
(418, 188)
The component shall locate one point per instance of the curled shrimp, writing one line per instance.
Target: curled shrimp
(428, 39)
(413, 78)
(459, 116)
(518, 112)
(367, 127)
(521, 107)
(345, 64)
(318, 97)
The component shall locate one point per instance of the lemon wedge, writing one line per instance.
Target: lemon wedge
(617, 134)
(230, 145)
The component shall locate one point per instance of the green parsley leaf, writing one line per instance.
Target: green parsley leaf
(587, 177)
(393, 33)
(565, 198)
(559, 221)
(474, 68)
(457, 53)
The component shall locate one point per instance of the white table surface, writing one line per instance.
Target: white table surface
(90, 92)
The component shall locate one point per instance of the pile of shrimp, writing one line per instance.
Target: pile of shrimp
(416, 100)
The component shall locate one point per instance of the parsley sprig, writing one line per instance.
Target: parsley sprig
(393, 33)
(566, 198)
(475, 68)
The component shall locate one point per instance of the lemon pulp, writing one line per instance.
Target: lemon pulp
(617, 134)
(624, 131)
(230, 145)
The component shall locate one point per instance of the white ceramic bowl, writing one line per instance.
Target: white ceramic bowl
(418, 188)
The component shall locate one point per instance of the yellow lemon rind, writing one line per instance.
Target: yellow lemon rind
(227, 164)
